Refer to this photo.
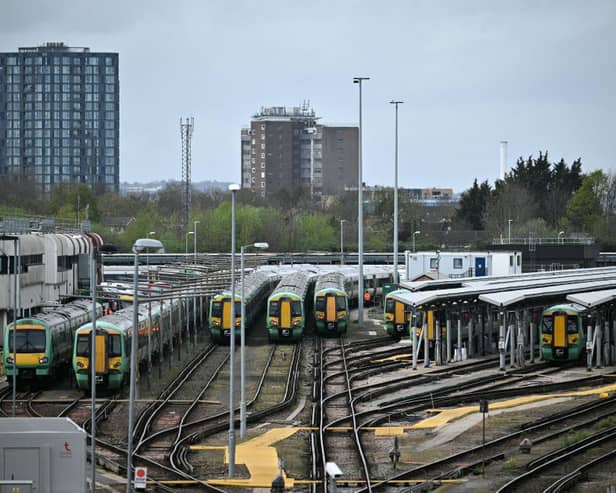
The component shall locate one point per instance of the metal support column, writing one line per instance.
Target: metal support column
(426, 333)
(438, 356)
(470, 349)
(161, 319)
(599, 335)
(459, 356)
(448, 336)
(589, 347)
(501, 342)
(413, 331)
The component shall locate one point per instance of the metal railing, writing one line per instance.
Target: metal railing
(534, 241)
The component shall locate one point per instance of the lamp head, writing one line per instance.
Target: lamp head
(416, 232)
(261, 244)
(142, 243)
(234, 187)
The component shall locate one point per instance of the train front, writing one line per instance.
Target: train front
(220, 317)
(111, 356)
(562, 333)
(397, 316)
(331, 311)
(32, 350)
(285, 317)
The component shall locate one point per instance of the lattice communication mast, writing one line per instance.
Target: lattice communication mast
(186, 130)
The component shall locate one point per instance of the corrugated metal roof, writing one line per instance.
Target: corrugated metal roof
(593, 299)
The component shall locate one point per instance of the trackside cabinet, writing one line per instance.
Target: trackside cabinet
(49, 452)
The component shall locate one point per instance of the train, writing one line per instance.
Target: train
(257, 287)
(562, 332)
(331, 304)
(44, 342)
(114, 335)
(286, 318)
(396, 315)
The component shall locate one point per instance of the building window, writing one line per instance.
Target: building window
(262, 184)
(457, 263)
(434, 263)
(510, 260)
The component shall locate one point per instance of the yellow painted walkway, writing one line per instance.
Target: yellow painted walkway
(445, 416)
(261, 458)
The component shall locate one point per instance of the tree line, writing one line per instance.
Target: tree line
(537, 197)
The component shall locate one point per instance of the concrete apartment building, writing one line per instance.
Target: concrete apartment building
(286, 148)
(59, 116)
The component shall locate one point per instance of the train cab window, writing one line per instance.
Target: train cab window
(238, 308)
(217, 309)
(320, 304)
(28, 341)
(572, 324)
(340, 303)
(296, 308)
(389, 305)
(274, 309)
(83, 345)
(547, 325)
(114, 345)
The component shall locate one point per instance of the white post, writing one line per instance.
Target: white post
(396, 103)
(93, 365)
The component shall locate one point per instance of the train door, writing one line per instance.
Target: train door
(101, 354)
(226, 314)
(560, 331)
(399, 315)
(330, 312)
(285, 313)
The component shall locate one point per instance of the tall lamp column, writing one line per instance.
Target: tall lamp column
(139, 246)
(233, 188)
(396, 103)
(360, 213)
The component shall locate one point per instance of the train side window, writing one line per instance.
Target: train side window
(572, 324)
(274, 309)
(547, 325)
(320, 304)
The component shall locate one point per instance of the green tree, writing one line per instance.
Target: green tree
(584, 210)
(473, 203)
(78, 198)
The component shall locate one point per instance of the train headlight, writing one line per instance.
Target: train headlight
(117, 364)
(43, 360)
(320, 316)
(80, 364)
(9, 360)
(274, 322)
(296, 323)
(341, 315)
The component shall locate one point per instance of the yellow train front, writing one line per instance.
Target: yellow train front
(562, 333)
(220, 317)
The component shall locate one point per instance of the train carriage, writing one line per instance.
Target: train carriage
(562, 332)
(331, 304)
(286, 318)
(257, 286)
(45, 341)
(114, 335)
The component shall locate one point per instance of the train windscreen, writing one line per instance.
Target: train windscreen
(296, 308)
(114, 345)
(274, 309)
(28, 341)
(320, 304)
(83, 345)
(340, 303)
(217, 309)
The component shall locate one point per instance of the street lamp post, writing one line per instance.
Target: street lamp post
(186, 246)
(561, 235)
(261, 245)
(16, 269)
(342, 221)
(139, 246)
(195, 239)
(360, 213)
(414, 234)
(509, 231)
(93, 363)
(233, 188)
(396, 103)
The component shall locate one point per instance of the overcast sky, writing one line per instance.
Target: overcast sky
(540, 74)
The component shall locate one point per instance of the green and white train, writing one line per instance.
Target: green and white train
(257, 287)
(44, 342)
(331, 304)
(114, 336)
(286, 318)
